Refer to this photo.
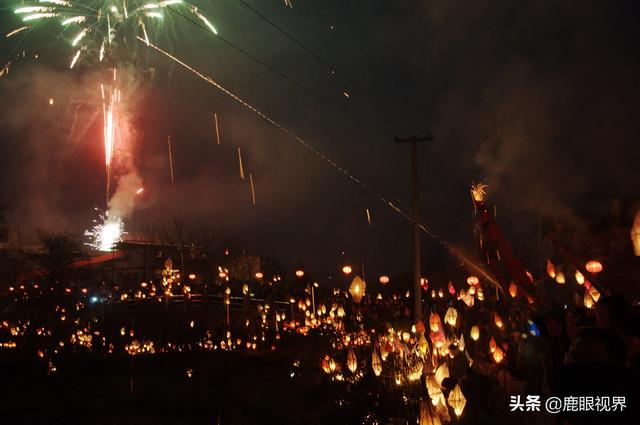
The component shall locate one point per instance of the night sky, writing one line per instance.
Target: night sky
(537, 99)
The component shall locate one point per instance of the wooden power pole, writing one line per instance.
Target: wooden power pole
(415, 216)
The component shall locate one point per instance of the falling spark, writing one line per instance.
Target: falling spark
(139, 191)
(288, 3)
(240, 163)
(106, 233)
(253, 190)
(204, 19)
(215, 119)
(170, 157)
(346, 94)
(368, 217)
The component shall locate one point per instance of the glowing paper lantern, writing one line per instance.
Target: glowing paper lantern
(357, 289)
(376, 363)
(384, 279)
(423, 345)
(560, 278)
(587, 300)
(434, 390)
(579, 277)
(475, 333)
(457, 400)
(352, 361)
(442, 372)
(498, 355)
(347, 270)
(259, 275)
(428, 415)
(473, 280)
(451, 316)
(492, 345)
(420, 326)
(434, 322)
(635, 234)
(594, 294)
(406, 336)
(513, 290)
(299, 273)
(498, 320)
(424, 283)
(324, 364)
(452, 289)
(332, 365)
(594, 266)
(461, 343)
(551, 269)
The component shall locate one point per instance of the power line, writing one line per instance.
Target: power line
(448, 247)
(325, 62)
(310, 91)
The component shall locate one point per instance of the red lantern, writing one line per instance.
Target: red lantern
(594, 266)
(424, 283)
(452, 290)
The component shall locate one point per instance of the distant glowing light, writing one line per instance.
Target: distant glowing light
(594, 266)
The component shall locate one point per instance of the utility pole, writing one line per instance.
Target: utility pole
(415, 217)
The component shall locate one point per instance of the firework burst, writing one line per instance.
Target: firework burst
(102, 26)
(106, 233)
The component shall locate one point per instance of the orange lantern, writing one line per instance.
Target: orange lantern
(347, 270)
(376, 363)
(498, 355)
(259, 275)
(428, 415)
(498, 320)
(551, 270)
(513, 290)
(579, 277)
(434, 322)
(384, 279)
(352, 361)
(473, 280)
(560, 278)
(594, 266)
(492, 345)
(357, 289)
(299, 273)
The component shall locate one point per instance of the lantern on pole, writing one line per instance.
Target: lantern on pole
(357, 289)
(457, 400)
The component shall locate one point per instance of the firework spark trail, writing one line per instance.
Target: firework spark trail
(368, 217)
(446, 245)
(215, 120)
(253, 190)
(110, 100)
(240, 163)
(170, 157)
